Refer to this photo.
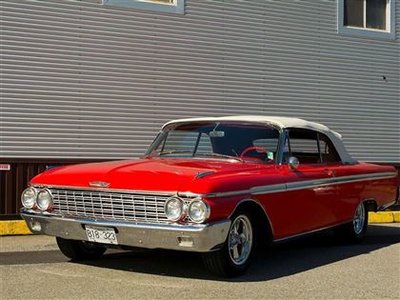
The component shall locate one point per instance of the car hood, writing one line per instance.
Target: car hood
(153, 174)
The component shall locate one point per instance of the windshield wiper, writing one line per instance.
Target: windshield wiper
(210, 154)
(213, 154)
(174, 152)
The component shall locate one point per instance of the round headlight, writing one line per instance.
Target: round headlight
(174, 209)
(28, 197)
(44, 200)
(198, 211)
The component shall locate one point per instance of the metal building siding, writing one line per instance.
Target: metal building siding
(82, 80)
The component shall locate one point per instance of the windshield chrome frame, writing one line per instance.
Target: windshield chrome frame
(283, 135)
(279, 149)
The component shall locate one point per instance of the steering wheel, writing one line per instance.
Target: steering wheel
(252, 148)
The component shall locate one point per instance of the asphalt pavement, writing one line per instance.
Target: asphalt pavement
(318, 267)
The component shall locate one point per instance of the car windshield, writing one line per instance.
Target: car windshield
(222, 140)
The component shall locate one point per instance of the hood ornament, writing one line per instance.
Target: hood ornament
(101, 184)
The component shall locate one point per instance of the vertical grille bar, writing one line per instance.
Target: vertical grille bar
(156, 205)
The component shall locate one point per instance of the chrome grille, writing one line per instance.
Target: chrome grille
(110, 205)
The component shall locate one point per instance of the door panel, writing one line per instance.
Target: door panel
(310, 201)
(305, 206)
(313, 199)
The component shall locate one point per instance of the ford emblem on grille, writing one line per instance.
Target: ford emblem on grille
(101, 184)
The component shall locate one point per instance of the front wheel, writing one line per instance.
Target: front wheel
(234, 257)
(80, 250)
(355, 231)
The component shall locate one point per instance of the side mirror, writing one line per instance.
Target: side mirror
(293, 163)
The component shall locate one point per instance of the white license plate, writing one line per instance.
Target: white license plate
(101, 235)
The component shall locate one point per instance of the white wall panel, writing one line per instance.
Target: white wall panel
(82, 80)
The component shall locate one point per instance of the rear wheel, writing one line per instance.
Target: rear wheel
(80, 250)
(234, 257)
(355, 231)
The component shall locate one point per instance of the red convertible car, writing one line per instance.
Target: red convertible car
(217, 186)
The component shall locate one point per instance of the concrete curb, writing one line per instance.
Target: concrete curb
(384, 217)
(15, 227)
(19, 227)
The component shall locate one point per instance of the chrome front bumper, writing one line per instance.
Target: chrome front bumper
(196, 238)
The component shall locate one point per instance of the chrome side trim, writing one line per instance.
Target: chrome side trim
(265, 189)
(227, 194)
(337, 180)
(268, 189)
(306, 184)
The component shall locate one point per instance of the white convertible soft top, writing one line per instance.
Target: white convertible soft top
(281, 122)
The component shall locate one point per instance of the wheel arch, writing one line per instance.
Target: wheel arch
(370, 204)
(263, 222)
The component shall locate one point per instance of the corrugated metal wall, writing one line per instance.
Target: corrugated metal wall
(80, 80)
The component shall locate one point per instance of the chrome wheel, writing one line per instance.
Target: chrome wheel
(235, 256)
(240, 240)
(359, 219)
